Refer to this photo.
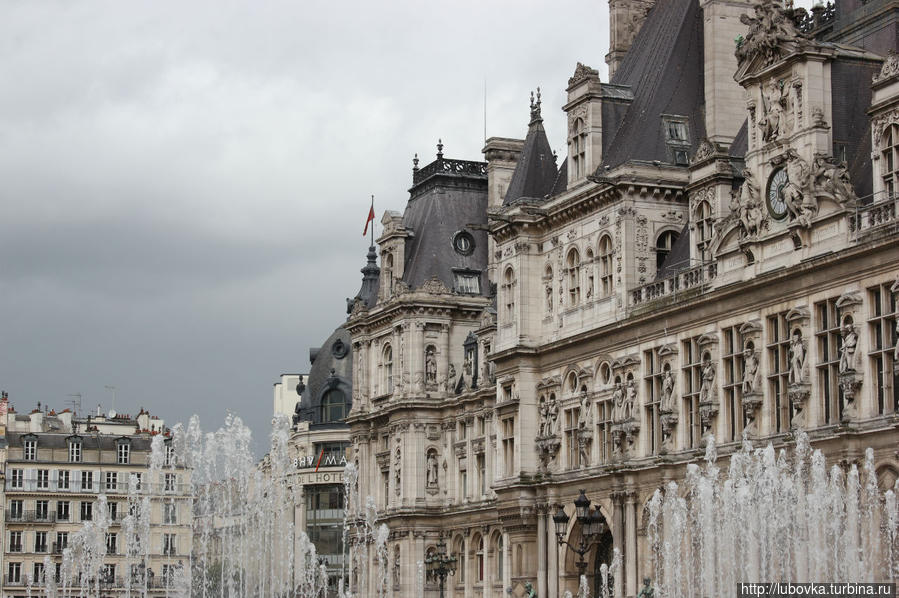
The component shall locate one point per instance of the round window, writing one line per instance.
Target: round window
(463, 242)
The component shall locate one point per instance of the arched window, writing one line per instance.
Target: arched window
(548, 289)
(387, 370)
(479, 559)
(333, 406)
(605, 265)
(499, 558)
(571, 383)
(509, 292)
(889, 151)
(574, 279)
(703, 220)
(579, 149)
(388, 273)
(663, 247)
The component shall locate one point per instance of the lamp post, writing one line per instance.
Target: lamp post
(593, 526)
(440, 564)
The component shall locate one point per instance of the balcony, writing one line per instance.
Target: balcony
(59, 547)
(30, 517)
(685, 280)
(875, 217)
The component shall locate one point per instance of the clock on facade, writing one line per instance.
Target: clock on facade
(777, 204)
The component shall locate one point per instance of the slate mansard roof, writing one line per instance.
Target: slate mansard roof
(89, 440)
(447, 197)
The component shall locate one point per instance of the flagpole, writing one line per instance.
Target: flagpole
(372, 222)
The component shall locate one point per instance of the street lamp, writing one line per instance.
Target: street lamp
(593, 526)
(440, 564)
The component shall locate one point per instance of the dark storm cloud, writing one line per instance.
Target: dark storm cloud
(183, 185)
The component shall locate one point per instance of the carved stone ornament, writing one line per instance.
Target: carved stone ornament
(889, 69)
(434, 286)
(547, 449)
(668, 423)
(705, 151)
(751, 404)
(581, 72)
(771, 36)
(746, 207)
(850, 383)
(799, 394)
(707, 412)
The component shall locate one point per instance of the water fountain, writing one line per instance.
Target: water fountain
(770, 519)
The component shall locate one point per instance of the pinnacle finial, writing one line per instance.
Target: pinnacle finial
(535, 106)
(415, 163)
(439, 148)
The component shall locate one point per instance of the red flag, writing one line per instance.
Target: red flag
(371, 216)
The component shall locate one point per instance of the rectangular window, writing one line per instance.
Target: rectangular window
(124, 453)
(15, 541)
(87, 511)
(482, 474)
(694, 361)
(603, 436)
(169, 544)
(40, 541)
(62, 542)
(62, 510)
(31, 450)
(112, 481)
(138, 480)
(111, 543)
(732, 382)
(113, 508)
(16, 510)
(571, 435)
(652, 380)
(884, 329)
(463, 479)
(779, 370)
(170, 513)
(43, 479)
(63, 475)
(42, 510)
(509, 445)
(75, 452)
(14, 572)
(467, 283)
(37, 570)
(87, 480)
(169, 453)
(170, 482)
(16, 479)
(108, 574)
(828, 339)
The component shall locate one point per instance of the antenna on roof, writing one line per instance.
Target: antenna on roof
(76, 402)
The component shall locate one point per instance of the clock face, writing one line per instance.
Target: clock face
(777, 205)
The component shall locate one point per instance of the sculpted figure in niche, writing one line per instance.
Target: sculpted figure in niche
(831, 180)
(549, 298)
(618, 402)
(708, 378)
(797, 357)
(847, 350)
(798, 192)
(585, 415)
(667, 390)
(543, 412)
(749, 206)
(750, 369)
(430, 367)
(774, 100)
(398, 472)
(433, 470)
(630, 399)
(552, 415)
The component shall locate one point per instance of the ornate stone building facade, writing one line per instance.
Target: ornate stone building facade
(716, 255)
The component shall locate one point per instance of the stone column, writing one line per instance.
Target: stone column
(542, 540)
(444, 365)
(421, 465)
(553, 548)
(631, 531)
(618, 527)
(489, 452)
(418, 348)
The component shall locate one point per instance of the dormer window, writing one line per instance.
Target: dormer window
(579, 149)
(677, 137)
(123, 452)
(663, 247)
(467, 282)
(889, 163)
(333, 406)
(30, 448)
(75, 450)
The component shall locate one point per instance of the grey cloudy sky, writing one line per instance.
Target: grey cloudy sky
(184, 184)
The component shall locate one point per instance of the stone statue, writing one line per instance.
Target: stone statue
(847, 349)
(770, 33)
(296, 414)
(396, 568)
(831, 180)
(773, 123)
(708, 378)
(552, 415)
(585, 415)
(398, 472)
(750, 370)
(797, 358)
(798, 192)
(430, 367)
(618, 403)
(529, 590)
(543, 411)
(749, 206)
(646, 591)
(630, 399)
(549, 298)
(467, 365)
(433, 469)
(667, 391)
